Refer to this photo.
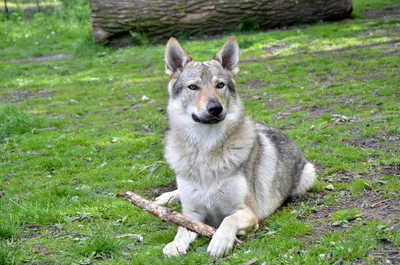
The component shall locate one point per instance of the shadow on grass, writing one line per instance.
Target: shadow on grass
(324, 52)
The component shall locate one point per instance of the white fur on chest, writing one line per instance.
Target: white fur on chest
(200, 166)
(205, 158)
(218, 199)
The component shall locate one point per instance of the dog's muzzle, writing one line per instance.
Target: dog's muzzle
(210, 119)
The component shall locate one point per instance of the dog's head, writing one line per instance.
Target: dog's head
(202, 90)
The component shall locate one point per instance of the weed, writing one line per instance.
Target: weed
(358, 187)
(9, 229)
(343, 217)
(98, 247)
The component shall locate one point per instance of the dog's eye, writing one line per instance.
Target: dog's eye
(220, 85)
(193, 87)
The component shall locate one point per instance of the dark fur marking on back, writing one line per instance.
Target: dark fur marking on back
(287, 151)
(257, 160)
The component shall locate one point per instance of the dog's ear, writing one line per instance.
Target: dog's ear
(175, 57)
(228, 55)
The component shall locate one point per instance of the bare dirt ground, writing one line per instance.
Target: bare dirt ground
(20, 96)
(44, 59)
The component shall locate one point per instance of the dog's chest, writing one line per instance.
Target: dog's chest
(213, 201)
(196, 162)
(199, 165)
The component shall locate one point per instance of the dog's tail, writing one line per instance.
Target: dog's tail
(307, 178)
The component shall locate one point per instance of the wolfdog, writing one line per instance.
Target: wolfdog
(230, 173)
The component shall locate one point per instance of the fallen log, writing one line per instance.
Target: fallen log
(116, 22)
(171, 216)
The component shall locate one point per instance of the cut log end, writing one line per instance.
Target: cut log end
(100, 35)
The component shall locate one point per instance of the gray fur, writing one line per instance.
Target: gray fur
(230, 173)
(290, 159)
(202, 71)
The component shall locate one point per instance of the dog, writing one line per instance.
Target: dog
(230, 172)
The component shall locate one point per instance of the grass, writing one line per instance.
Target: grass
(75, 132)
(15, 121)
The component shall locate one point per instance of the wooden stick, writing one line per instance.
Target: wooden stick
(171, 216)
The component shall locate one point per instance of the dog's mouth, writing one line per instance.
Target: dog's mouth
(210, 120)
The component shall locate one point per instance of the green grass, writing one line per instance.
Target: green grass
(14, 121)
(368, 5)
(343, 217)
(75, 132)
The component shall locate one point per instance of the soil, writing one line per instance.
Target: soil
(389, 142)
(44, 59)
(256, 84)
(385, 14)
(152, 193)
(384, 170)
(19, 96)
(276, 49)
(374, 207)
(371, 203)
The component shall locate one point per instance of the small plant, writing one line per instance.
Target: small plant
(9, 229)
(99, 247)
(138, 39)
(358, 187)
(344, 217)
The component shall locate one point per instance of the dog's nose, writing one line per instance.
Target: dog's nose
(214, 108)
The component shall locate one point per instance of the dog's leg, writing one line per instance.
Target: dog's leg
(168, 198)
(183, 238)
(224, 238)
(181, 242)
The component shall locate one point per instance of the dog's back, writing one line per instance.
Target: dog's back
(282, 170)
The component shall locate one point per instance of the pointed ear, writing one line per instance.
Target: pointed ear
(175, 57)
(228, 55)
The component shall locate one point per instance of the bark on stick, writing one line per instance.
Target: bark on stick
(171, 216)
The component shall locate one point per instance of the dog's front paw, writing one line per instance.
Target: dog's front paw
(167, 198)
(175, 248)
(221, 243)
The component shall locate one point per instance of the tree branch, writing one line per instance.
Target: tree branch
(171, 216)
